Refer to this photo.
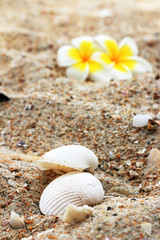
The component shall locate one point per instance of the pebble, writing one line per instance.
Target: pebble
(2, 144)
(121, 190)
(128, 163)
(138, 164)
(133, 174)
(4, 98)
(140, 120)
(155, 106)
(148, 189)
(111, 155)
(146, 228)
(142, 151)
(12, 183)
(28, 107)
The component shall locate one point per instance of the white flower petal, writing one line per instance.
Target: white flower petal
(77, 41)
(101, 40)
(129, 42)
(119, 75)
(63, 58)
(111, 70)
(101, 76)
(78, 73)
(142, 65)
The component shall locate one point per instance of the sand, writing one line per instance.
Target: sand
(47, 110)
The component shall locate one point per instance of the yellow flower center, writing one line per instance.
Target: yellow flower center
(118, 56)
(82, 55)
(115, 60)
(84, 52)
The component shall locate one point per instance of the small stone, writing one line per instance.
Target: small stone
(140, 120)
(12, 183)
(2, 144)
(146, 228)
(121, 190)
(128, 163)
(111, 155)
(114, 214)
(133, 174)
(155, 106)
(148, 189)
(109, 208)
(156, 95)
(21, 144)
(2, 205)
(151, 125)
(142, 151)
(138, 164)
(121, 167)
(4, 98)
(28, 107)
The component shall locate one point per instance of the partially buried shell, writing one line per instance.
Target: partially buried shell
(16, 221)
(69, 158)
(78, 188)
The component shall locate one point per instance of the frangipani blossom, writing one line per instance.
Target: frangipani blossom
(80, 60)
(122, 57)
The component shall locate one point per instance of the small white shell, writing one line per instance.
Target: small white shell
(78, 188)
(154, 158)
(68, 159)
(141, 120)
(16, 221)
(146, 227)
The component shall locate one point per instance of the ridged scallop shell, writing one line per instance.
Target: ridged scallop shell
(78, 188)
(141, 120)
(69, 158)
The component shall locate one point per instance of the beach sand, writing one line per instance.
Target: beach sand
(47, 110)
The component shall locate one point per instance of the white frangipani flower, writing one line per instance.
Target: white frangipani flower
(122, 58)
(81, 60)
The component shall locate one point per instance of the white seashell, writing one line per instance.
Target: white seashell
(68, 159)
(140, 120)
(16, 221)
(154, 158)
(75, 214)
(78, 188)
